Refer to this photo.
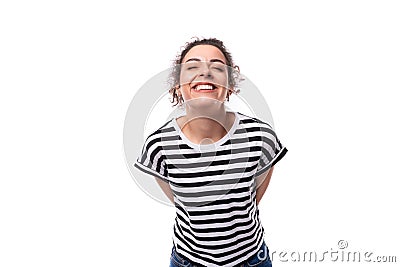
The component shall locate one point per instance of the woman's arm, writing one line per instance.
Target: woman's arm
(262, 184)
(166, 189)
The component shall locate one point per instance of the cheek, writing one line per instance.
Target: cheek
(221, 79)
(186, 78)
(185, 91)
(224, 92)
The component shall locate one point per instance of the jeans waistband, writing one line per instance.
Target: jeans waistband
(191, 263)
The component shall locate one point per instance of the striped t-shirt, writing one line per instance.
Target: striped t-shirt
(217, 219)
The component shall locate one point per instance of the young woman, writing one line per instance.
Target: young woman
(213, 164)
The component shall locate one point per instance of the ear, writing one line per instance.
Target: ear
(178, 90)
(230, 91)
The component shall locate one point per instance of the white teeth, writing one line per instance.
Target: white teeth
(204, 87)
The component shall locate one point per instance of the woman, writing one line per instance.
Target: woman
(213, 164)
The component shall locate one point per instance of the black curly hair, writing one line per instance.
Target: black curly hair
(233, 70)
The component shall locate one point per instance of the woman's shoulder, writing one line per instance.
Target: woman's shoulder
(253, 121)
(163, 130)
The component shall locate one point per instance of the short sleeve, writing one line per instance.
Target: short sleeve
(272, 149)
(151, 160)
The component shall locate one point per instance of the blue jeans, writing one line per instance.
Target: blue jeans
(260, 259)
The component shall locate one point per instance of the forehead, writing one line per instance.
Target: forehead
(204, 53)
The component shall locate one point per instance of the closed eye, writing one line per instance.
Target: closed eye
(218, 69)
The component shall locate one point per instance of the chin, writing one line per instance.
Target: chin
(204, 102)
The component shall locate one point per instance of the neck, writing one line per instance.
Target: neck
(206, 125)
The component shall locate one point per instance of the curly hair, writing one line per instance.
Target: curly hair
(233, 71)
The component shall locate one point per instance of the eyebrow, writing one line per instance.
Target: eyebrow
(212, 60)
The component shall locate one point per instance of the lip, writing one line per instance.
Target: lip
(204, 83)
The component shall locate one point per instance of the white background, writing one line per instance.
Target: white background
(69, 69)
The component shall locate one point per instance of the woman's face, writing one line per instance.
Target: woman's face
(204, 74)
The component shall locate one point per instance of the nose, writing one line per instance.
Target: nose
(205, 71)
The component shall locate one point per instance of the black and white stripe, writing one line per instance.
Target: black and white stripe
(217, 221)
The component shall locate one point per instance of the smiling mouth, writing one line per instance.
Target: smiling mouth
(204, 87)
